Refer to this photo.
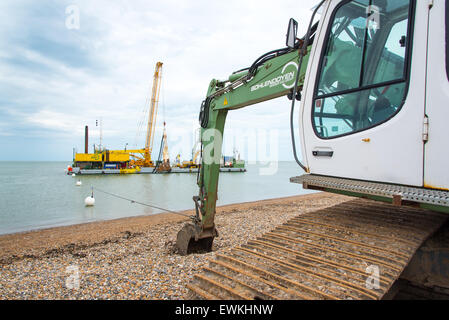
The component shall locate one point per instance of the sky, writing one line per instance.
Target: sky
(66, 64)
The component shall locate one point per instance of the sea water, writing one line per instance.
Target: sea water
(36, 195)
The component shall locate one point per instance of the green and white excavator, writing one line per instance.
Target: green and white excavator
(372, 81)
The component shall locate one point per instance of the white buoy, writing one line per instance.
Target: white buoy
(89, 201)
(73, 175)
(78, 183)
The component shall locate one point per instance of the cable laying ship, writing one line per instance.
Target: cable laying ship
(104, 161)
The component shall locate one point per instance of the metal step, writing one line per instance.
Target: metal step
(395, 192)
(327, 254)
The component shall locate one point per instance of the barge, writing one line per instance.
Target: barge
(79, 171)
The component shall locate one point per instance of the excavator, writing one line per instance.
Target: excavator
(371, 77)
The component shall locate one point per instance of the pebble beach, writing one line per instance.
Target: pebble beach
(131, 258)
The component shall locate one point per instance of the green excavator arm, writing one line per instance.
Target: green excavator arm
(270, 77)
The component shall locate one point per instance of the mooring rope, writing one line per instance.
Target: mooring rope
(141, 203)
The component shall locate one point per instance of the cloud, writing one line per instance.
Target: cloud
(53, 80)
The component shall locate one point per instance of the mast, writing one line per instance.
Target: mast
(101, 134)
(165, 155)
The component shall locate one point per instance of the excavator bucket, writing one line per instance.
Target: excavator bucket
(190, 241)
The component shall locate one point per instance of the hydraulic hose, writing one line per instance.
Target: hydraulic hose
(302, 53)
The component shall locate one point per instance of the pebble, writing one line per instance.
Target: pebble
(141, 265)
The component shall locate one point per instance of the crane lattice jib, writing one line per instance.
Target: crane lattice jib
(153, 109)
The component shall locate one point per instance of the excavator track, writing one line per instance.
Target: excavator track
(333, 253)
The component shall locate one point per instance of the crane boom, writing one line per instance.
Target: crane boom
(153, 112)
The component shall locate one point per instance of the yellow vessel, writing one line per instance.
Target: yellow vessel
(127, 161)
(130, 170)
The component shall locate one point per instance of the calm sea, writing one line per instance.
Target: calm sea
(36, 195)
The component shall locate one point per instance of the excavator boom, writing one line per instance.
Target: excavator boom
(271, 76)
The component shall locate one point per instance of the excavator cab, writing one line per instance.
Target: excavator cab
(362, 116)
(361, 53)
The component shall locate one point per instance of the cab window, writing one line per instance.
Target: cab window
(363, 72)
